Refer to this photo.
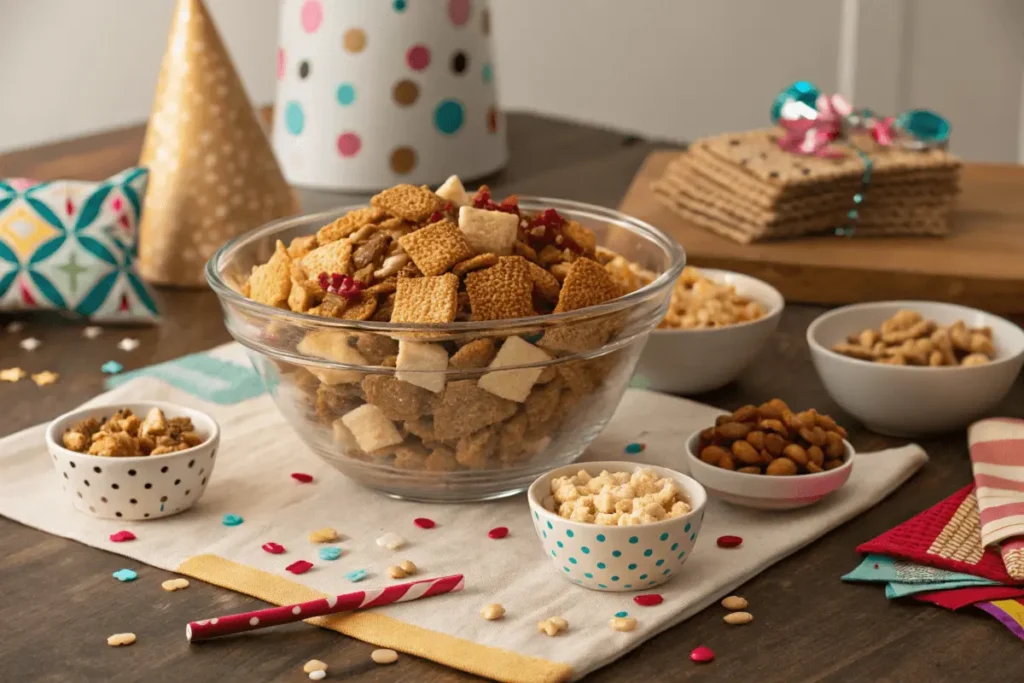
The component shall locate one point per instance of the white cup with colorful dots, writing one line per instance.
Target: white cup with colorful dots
(617, 558)
(373, 94)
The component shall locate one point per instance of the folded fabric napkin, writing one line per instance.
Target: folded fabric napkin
(259, 451)
(997, 458)
(959, 598)
(1010, 613)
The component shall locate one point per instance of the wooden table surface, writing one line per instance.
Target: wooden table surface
(59, 602)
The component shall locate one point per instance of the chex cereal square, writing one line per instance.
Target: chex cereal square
(335, 257)
(432, 299)
(502, 291)
(513, 385)
(348, 224)
(271, 283)
(409, 202)
(437, 247)
(453, 191)
(586, 284)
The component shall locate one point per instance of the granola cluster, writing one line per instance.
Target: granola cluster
(445, 401)
(125, 435)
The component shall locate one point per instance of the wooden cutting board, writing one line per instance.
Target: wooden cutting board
(981, 264)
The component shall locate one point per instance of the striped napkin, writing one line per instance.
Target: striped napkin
(997, 457)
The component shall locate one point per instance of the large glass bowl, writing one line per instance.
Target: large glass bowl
(460, 443)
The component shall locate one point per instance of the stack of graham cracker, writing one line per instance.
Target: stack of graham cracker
(745, 187)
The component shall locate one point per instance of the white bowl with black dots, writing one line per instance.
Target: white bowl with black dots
(145, 487)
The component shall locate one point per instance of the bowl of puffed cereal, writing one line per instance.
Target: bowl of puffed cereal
(447, 346)
(616, 526)
(909, 368)
(716, 324)
(133, 461)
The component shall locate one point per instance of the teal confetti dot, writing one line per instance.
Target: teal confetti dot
(634, 540)
(357, 575)
(124, 575)
(329, 553)
(601, 565)
(675, 547)
(600, 538)
(294, 118)
(572, 560)
(399, 5)
(648, 552)
(622, 615)
(632, 567)
(634, 448)
(448, 116)
(232, 520)
(685, 528)
(111, 367)
(659, 563)
(551, 527)
(569, 533)
(615, 578)
(559, 544)
(643, 576)
(346, 94)
(663, 537)
(616, 553)
(588, 575)
(858, 198)
(585, 550)
(487, 73)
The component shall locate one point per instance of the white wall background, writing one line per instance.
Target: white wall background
(674, 69)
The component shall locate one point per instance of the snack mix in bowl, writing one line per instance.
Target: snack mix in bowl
(698, 302)
(442, 346)
(616, 498)
(908, 338)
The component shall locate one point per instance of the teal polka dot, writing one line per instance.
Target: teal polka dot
(680, 555)
(585, 550)
(294, 118)
(615, 578)
(659, 563)
(601, 585)
(628, 585)
(399, 5)
(687, 527)
(651, 583)
(675, 547)
(616, 553)
(589, 575)
(535, 515)
(666, 572)
(648, 552)
(544, 534)
(600, 538)
(600, 565)
(663, 537)
(643, 576)
(346, 94)
(549, 525)
(622, 615)
(632, 567)
(559, 544)
(572, 560)
(566, 569)
(448, 116)
(693, 536)
(487, 73)
(634, 540)
(568, 532)
(554, 554)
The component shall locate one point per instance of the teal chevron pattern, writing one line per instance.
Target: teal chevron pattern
(204, 376)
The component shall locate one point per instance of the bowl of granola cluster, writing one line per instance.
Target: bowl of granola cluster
(716, 324)
(134, 461)
(443, 347)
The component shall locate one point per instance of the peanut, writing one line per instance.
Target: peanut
(746, 453)
(908, 339)
(408, 567)
(815, 455)
(781, 467)
(396, 572)
(622, 623)
(774, 444)
(834, 445)
(314, 665)
(727, 463)
(712, 455)
(492, 612)
(750, 470)
(756, 439)
(832, 464)
(119, 639)
(796, 453)
(733, 430)
(745, 414)
(973, 359)
(734, 603)
(738, 618)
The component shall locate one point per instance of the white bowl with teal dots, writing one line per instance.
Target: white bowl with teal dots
(617, 558)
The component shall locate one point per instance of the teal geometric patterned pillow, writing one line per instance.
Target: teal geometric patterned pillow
(71, 245)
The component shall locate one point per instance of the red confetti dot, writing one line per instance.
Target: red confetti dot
(729, 541)
(702, 654)
(498, 532)
(273, 548)
(649, 600)
(301, 476)
(424, 523)
(122, 536)
(299, 567)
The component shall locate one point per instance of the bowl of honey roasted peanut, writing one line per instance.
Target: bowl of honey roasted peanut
(910, 368)
(771, 457)
(442, 345)
(716, 324)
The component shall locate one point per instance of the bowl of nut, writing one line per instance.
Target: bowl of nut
(771, 458)
(716, 324)
(134, 461)
(443, 346)
(909, 368)
(614, 526)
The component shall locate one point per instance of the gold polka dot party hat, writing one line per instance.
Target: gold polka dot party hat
(213, 174)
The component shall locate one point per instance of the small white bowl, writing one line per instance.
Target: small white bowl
(146, 487)
(617, 558)
(908, 401)
(695, 361)
(764, 492)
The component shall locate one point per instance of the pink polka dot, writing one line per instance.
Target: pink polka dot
(458, 11)
(312, 15)
(349, 144)
(418, 57)
(280, 63)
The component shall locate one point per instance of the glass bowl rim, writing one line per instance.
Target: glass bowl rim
(675, 251)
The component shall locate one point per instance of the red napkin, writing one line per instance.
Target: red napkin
(956, 598)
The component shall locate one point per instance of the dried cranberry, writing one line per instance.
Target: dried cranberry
(435, 217)
(342, 285)
(482, 199)
(548, 228)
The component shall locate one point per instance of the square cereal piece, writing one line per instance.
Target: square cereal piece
(397, 399)
(513, 385)
(545, 285)
(465, 408)
(492, 232)
(583, 237)
(348, 224)
(502, 291)
(437, 247)
(475, 354)
(300, 246)
(426, 299)
(370, 428)
(271, 283)
(422, 364)
(453, 191)
(305, 293)
(333, 346)
(586, 284)
(335, 257)
(476, 263)
(409, 202)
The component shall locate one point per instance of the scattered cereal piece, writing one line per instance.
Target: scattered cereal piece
(552, 625)
(302, 477)
(502, 291)
(426, 299)
(702, 654)
(498, 532)
(734, 602)
(489, 232)
(371, 429)
(14, 327)
(391, 541)
(437, 247)
(408, 567)
(453, 191)
(330, 553)
(119, 639)
(128, 344)
(30, 344)
(111, 367)
(634, 448)
(738, 618)
(325, 535)
(396, 572)
(408, 201)
(122, 536)
(422, 365)
(729, 541)
(492, 611)
(384, 656)
(317, 675)
(356, 575)
(124, 575)
(648, 600)
(45, 377)
(314, 665)
(12, 375)
(299, 567)
(514, 385)
(622, 623)
(92, 331)
(273, 548)
(171, 585)
(424, 523)
(232, 520)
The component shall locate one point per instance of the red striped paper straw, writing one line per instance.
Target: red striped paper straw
(204, 629)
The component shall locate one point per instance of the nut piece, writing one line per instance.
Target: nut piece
(734, 602)
(737, 618)
(552, 625)
(171, 585)
(384, 656)
(119, 639)
(314, 665)
(698, 302)
(492, 611)
(622, 623)
(781, 467)
(408, 567)
(396, 572)
(908, 339)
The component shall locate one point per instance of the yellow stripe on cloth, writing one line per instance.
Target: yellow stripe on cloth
(377, 629)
